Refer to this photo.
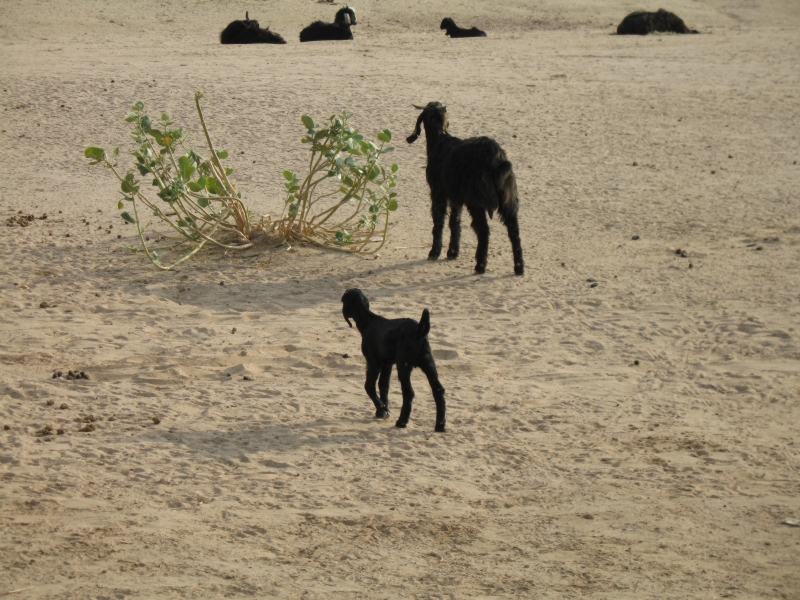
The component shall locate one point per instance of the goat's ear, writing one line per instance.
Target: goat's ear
(424, 324)
(417, 130)
(348, 322)
(346, 18)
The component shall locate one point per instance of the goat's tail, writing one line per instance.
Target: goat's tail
(424, 324)
(506, 184)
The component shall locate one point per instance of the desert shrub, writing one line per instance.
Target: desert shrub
(343, 202)
(345, 199)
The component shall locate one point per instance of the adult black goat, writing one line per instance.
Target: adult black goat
(474, 173)
(248, 32)
(454, 31)
(338, 30)
(389, 342)
(642, 23)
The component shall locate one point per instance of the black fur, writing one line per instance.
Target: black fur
(642, 23)
(248, 32)
(474, 173)
(454, 31)
(388, 342)
(338, 30)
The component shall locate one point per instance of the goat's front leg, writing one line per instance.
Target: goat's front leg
(383, 387)
(481, 227)
(429, 368)
(372, 376)
(404, 374)
(438, 212)
(455, 231)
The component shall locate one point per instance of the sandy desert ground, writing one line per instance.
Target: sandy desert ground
(568, 471)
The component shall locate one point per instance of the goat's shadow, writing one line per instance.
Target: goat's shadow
(288, 291)
(277, 440)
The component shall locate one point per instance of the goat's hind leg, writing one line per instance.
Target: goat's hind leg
(480, 226)
(383, 387)
(438, 212)
(512, 224)
(404, 374)
(438, 393)
(372, 377)
(455, 231)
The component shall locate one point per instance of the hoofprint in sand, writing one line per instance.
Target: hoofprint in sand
(568, 469)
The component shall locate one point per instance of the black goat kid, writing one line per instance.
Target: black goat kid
(386, 342)
(338, 30)
(474, 173)
(454, 31)
(248, 32)
(642, 23)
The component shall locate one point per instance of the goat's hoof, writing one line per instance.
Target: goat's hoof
(433, 256)
(452, 255)
(401, 424)
(519, 269)
(439, 428)
(480, 269)
(382, 414)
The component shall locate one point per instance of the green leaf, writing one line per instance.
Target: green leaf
(288, 175)
(194, 186)
(222, 154)
(128, 184)
(307, 121)
(96, 154)
(213, 186)
(382, 137)
(120, 205)
(392, 204)
(228, 171)
(164, 117)
(128, 217)
(204, 202)
(138, 106)
(395, 168)
(146, 124)
(387, 150)
(186, 167)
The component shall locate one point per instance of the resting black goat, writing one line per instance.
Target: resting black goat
(248, 32)
(386, 342)
(454, 31)
(474, 173)
(338, 30)
(642, 23)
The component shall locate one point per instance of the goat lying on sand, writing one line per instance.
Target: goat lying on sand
(386, 342)
(248, 32)
(642, 23)
(454, 31)
(474, 173)
(338, 30)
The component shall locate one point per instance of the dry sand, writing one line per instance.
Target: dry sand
(568, 470)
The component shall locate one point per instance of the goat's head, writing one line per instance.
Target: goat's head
(346, 16)
(354, 304)
(433, 116)
(448, 23)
